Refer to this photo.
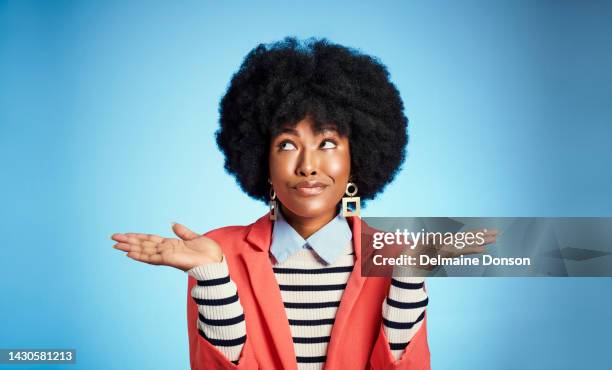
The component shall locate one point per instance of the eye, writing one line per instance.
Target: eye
(286, 145)
(328, 144)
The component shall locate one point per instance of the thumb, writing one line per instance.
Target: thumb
(183, 232)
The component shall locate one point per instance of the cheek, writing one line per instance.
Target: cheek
(338, 167)
(279, 166)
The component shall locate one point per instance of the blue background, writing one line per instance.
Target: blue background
(107, 114)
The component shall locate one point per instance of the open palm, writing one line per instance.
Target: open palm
(189, 251)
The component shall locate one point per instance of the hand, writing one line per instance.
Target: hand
(189, 251)
(450, 251)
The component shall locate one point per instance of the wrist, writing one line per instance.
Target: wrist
(208, 269)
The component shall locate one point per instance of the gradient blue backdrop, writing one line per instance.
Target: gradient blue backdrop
(107, 114)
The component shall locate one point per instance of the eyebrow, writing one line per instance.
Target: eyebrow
(292, 131)
(289, 130)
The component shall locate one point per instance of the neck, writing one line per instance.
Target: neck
(306, 226)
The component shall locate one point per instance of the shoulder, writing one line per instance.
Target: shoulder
(231, 239)
(367, 232)
(234, 239)
(227, 231)
(228, 235)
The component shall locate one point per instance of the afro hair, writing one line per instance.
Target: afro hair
(281, 83)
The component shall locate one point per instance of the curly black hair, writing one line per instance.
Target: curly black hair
(283, 82)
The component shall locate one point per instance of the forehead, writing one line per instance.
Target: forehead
(305, 127)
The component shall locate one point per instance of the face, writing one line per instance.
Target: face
(309, 170)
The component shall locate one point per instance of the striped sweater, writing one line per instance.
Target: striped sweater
(311, 293)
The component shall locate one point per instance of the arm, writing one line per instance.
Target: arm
(217, 332)
(403, 312)
(220, 315)
(191, 253)
(402, 340)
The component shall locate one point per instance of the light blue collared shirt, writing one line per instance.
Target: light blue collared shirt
(328, 242)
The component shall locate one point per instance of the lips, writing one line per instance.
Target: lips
(310, 188)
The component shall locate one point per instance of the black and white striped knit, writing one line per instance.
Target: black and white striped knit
(220, 315)
(311, 291)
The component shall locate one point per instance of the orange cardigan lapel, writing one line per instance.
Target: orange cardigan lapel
(349, 297)
(267, 292)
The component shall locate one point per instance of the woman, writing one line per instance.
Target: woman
(314, 129)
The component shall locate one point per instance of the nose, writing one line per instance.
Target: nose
(308, 163)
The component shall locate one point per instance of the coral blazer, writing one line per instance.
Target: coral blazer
(357, 338)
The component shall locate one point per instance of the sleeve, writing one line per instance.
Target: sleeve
(403, 312)
(215, 316)
(402, 339)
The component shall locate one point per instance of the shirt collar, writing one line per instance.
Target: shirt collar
(328, 242)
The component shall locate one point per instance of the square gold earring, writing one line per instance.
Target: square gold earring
(351, 199)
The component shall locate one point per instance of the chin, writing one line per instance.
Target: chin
(308, 208)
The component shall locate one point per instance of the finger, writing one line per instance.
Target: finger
(124, 247)
(149, 248)
(152, 259)
(489, 239)
(183, 232)
(149, 245)
(486, 239)
(146, 237)
(118, 237)
(472, 249)
(126, 238)
(133, 239)
(136, 238)
(478, 247)
(484, 231)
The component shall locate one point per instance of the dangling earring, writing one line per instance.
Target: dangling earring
(350, 198)
(272, 204)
